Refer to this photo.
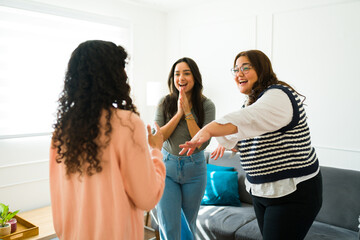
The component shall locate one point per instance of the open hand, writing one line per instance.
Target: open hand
(201, 137)
(155, 140)
(218, 152)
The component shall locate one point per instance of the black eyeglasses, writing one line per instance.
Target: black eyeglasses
(245, 68)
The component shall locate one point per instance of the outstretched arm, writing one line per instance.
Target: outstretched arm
(212, 129)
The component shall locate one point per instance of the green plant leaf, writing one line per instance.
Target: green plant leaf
(2, 206)
(5, 215)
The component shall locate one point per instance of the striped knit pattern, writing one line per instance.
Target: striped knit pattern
(286, 153)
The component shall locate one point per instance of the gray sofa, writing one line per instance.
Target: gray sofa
(337, 219)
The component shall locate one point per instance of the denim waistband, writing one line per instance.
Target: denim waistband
(185, 158)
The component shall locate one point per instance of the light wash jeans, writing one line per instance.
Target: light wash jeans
(185, 185)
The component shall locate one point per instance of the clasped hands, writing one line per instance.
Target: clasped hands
(183, 103)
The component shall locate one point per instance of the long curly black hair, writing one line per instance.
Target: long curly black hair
(266, 76)
(197, 98)
(95, 81)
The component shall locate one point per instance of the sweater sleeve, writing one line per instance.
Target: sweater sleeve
(269, 113)
(142, 169)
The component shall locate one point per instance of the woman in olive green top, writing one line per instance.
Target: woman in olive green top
(180, 115)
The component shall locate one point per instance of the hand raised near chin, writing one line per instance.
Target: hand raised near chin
(179, 104)
(184, 100)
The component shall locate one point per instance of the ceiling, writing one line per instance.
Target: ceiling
(167, 5)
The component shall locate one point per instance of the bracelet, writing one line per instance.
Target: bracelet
(186, 115)
(189, 118)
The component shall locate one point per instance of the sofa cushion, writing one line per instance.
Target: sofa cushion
(341, 198)
(323, 231)
(220, 222)
(318, 231)
(249, 231)
(233, 160)
(212, 167)
(221, 189)
(359, 227)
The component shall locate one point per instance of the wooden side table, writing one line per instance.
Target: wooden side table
(41, 217)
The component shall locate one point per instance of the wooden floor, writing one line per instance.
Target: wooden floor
(148, 232)
(149, 235)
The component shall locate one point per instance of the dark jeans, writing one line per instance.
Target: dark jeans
(290, 217)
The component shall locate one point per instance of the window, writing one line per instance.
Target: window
(34, 50)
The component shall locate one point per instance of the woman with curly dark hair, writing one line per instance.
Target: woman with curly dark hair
(273, 139)
(181, 114)
(103, 174)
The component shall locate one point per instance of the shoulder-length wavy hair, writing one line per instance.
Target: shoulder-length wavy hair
(95, 81)
(197, 98)
(266, 76)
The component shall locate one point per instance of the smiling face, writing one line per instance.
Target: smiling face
(183, 77)
(245, 81)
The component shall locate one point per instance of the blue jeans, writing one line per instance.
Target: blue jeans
(185, 185)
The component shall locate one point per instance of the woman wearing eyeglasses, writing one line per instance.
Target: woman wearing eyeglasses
(272, 136)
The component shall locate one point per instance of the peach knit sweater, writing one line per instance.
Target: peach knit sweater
(109, 205)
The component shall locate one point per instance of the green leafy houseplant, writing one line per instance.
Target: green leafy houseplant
(5, 215)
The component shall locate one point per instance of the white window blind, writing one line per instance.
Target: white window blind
(34, 50)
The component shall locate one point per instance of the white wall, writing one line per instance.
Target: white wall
(313, 45)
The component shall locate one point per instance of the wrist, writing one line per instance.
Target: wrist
(155, 148)
(207, 130)
(189, 116)
(179, 114)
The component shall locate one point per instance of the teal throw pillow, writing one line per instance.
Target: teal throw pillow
(221, 189)
(212, 167)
